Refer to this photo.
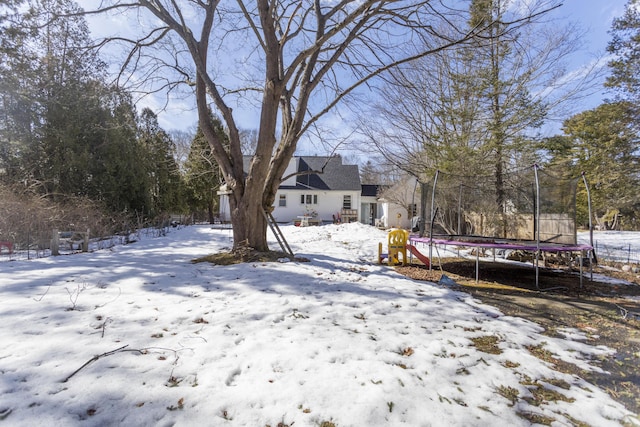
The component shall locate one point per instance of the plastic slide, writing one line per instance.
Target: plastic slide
(415, 252)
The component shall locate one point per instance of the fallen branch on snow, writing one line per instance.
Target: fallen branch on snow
(96, 357)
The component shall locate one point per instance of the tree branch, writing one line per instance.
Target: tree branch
(94, 358)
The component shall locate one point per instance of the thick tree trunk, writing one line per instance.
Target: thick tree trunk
(261, 183)
(246, 201)
(249, 225)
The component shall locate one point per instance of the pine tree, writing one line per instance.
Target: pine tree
(19, 122)
(119, 179)
(200, 178)
(47, 80)
(64, 130)
(602, 142)
(508, 103)
(165, 181)
(471, 110)
(202, 175)
(625, 46)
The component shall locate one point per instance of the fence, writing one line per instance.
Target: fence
(39, 246)
(625, 254)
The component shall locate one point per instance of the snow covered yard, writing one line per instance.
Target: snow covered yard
(337, 341)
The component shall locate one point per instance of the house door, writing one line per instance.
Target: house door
(373, 213)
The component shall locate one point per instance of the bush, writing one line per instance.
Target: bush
(28, 219)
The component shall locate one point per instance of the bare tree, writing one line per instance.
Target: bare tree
(293, 60)
(249, 140)
(427, 117)
(182, 140)
(479, 106)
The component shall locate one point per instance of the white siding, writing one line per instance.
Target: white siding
(366, 216)
(390, 216)
(329, 204)
(224, 210)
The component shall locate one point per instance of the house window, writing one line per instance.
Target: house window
(346, 202)
(282, 201)
(309, 199)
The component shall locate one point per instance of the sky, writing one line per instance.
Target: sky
(140, 335)
(594, 15)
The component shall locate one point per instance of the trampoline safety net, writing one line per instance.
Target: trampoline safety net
(505, 208)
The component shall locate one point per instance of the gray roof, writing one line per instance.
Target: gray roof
(333, 174)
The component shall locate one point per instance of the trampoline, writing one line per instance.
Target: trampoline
(534, 211)
(583, 250)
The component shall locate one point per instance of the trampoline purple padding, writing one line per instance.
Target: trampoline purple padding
(491, 243)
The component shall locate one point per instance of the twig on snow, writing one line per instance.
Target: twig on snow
(104, 325)
(43, 295)
(109, 302)
(96, 357)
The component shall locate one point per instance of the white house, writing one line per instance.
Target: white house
(399, 204)
(319, 187)
(370, 204)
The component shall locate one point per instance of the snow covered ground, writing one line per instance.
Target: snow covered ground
(615, 246)
(336, 340)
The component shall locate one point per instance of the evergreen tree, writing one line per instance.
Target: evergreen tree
(19, 122)
(202, 174)
(62, 129)
(430, 117)
(509, 106)
(472, 110)
(165, 181)
(69, 97)
(602, 143)
(119, 178)
(625, 46)
(47, 77)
